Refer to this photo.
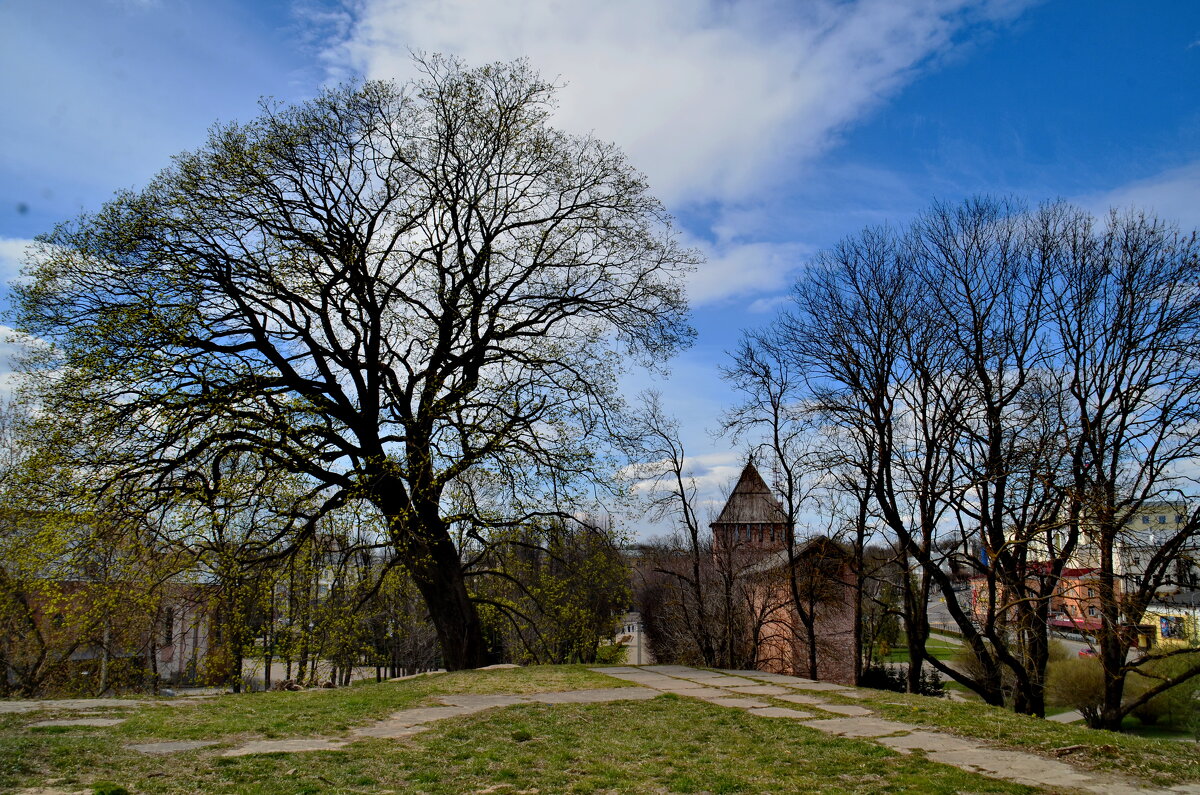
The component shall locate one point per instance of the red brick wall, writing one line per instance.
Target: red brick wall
(783, 646)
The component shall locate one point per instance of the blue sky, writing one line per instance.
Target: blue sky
(771, 129)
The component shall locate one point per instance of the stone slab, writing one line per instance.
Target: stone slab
(75, 704)
(719, 680)
(295, 746)
(482, 701)
(927, 741)
(617, 669)
(670, 669)
(782, 679)
(414, 676)
(780, 712)
(741, 703)
(846, 709)
(595, 696)
(412, 717)
(389, 730)
(850, 692)
(697, 691)
(79, 722)
(1033, 771)
(171, 747)
(799, 698)
(860, 727)
(649, 680)
(758, 690)
(818, 686)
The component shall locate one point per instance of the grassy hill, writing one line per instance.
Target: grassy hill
(667, 744)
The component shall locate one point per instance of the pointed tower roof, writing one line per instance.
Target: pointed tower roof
(751, 502)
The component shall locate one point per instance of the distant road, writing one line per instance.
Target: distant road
(939, 618)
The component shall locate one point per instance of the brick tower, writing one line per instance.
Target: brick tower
(752, 518)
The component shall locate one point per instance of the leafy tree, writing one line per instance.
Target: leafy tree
(555, 591)
(384, 289)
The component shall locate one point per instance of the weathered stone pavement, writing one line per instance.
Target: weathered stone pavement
(757, 693)
(727, 688)
(84, 704)
(408, 722)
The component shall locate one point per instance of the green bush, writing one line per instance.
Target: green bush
(611, 654)
(1058, 651)
(1176, 706)
(1078, 684)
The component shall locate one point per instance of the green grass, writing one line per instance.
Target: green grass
(669, 744)
(942, 648)
(1157, 761)
(308, 712)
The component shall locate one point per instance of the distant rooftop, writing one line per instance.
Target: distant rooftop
(751, 502)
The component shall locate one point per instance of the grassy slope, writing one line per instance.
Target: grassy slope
(1149, 760)
(669, 744)
(939, 646)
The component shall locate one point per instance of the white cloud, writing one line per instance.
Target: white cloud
(713, 476)
(12, 254)
(734, 270)
(712, 100)
(10, 349)
(769, 304)
(1173, 195)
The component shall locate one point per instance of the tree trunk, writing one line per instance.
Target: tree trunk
(269, 642)
(104, 658)
(424, 545)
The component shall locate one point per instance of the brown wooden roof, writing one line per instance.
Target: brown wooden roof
(751, 502)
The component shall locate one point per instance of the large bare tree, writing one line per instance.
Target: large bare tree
(387, 289)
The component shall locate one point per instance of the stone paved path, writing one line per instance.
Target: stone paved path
(85, 704)
(408, 722)
(755, 692)
(726, 688)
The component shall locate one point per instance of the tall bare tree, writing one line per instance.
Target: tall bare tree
(385, 288)
(1127, 315)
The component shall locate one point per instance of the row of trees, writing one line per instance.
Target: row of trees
(242, 569)
(999, 391)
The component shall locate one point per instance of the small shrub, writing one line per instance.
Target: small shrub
(894, 678)
(611, 654)
(1078, 684)
(108, 788)
(522, 736)
(883, 677)
(1058, 651)
(931, 683)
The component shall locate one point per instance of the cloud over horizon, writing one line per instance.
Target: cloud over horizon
(710, 100)
(714, 102)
